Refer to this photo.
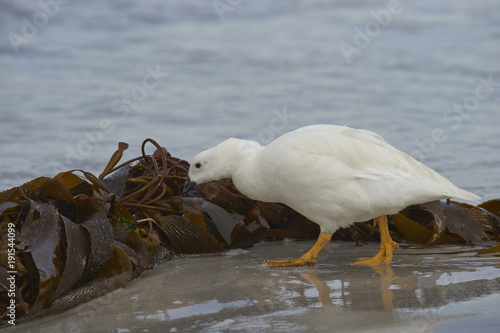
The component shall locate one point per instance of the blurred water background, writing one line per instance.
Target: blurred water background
(79, 76)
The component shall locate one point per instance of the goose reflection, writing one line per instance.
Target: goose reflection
(386, 274)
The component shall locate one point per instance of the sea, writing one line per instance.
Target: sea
(77, 77)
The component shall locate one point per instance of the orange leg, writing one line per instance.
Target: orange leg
(308, 258)
(387, 245)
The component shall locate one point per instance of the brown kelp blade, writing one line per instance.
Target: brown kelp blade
(116, 274)
(461, 223)
(492, 206)
(187, 237)
(494, 251)
(424, 224)
(411, 230)
(236, 232)
(77, 246)
(42, 238)
(438, 223)
(101, 241)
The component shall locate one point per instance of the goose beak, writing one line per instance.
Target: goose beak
(189, 186)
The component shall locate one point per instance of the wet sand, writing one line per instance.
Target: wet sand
(436, 289)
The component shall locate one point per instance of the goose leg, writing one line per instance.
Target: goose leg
(308, 258)
(387, 245)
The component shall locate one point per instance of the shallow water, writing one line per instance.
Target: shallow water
(443, 289)
(95, 73)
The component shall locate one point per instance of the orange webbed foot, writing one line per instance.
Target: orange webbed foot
(302, 261)
(387, 245)
(383, 257)
(308, 259)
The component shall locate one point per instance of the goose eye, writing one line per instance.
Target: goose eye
(198, 165)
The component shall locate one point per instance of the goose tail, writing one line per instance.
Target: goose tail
(458, 193)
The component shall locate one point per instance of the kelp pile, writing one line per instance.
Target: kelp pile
(76, 236)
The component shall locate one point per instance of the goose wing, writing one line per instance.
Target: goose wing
(365, 159)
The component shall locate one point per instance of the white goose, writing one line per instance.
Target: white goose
(333, 175)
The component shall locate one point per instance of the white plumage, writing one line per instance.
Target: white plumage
(333, 175)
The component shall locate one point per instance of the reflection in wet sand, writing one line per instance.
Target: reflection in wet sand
(237, 293)
(323, 291)
(386, 278)
(413, 290)
(433, 281)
